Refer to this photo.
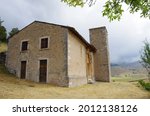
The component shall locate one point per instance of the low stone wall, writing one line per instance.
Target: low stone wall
(2, 57)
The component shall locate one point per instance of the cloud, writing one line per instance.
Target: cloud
(125, 36)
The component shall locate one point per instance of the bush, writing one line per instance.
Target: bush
(145, 85)
(142, 82)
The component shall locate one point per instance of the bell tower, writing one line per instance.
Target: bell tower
(99, 39)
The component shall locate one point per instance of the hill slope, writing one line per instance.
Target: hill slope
(3, 47)
(134, 69)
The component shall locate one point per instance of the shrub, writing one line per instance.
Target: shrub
(145, 85)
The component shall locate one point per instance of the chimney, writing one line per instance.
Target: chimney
(99, 39)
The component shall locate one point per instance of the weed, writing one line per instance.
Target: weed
(145, 85)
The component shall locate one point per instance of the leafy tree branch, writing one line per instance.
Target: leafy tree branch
(113, 9)
(145, 57)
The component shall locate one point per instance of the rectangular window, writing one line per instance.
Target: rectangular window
(24, 46)
(44, 43)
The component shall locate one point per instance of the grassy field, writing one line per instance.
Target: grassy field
(12, 87)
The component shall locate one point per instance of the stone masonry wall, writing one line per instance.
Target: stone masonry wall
(55, 54)
(99, 38)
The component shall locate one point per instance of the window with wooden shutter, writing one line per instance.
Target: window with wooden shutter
(44, 43)
(24, 46)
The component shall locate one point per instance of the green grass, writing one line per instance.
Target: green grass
(3, 47)
(145, 85)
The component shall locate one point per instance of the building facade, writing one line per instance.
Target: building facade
(57, 54)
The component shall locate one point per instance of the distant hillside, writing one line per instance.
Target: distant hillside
(133, 65)
(128, 69)
(3, 47)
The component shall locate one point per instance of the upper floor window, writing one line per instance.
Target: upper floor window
(44, 42)
(24, 46)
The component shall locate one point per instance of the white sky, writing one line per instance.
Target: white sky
(125, 36)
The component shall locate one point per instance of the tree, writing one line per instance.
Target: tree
(113, 8)
(1, 22)
(3, 32)
(145, 57)
(13, 32)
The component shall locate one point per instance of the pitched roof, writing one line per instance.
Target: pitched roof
(72, 29)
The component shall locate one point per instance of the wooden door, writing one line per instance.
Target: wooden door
(43, 71)
(23, 69)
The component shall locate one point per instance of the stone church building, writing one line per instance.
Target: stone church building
(57, 54)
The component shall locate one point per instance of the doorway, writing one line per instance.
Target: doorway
(23, 69)
(43, 71)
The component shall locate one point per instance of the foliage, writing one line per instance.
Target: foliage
(145, 85)
(145, 57)
(13, 32)
(1, 22)
(74, 2)
(3, 69)
(3, 32)
(113, 8)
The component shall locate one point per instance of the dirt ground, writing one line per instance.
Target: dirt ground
(13, 88)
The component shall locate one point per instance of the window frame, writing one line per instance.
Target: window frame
(40, 42)
(22, 45)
